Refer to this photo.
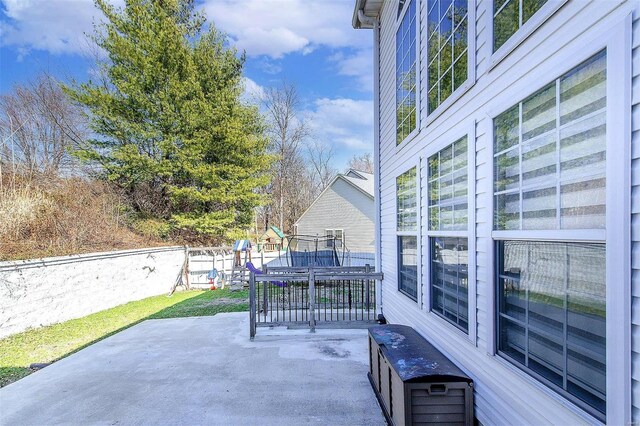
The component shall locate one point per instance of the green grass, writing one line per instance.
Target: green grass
(51, 343)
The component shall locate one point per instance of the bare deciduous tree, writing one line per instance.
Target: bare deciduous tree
(363, 162)
(321, 158)
(287, 132)
(38, 127)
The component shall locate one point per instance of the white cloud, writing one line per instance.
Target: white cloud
(253, 92)
(358, 65)
(344, 123)
(277, 27)
(56, 26)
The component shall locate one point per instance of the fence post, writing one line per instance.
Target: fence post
(186, 263)
(312, 299)
(265, 298)
(252, 305)
(367, 270)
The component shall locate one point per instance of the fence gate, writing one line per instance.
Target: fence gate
(311, 297)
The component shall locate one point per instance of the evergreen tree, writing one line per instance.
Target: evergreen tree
(172, 131)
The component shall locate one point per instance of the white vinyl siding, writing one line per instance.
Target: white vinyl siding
(536, 60)
(342, 206)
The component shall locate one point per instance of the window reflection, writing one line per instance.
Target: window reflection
(552, 304)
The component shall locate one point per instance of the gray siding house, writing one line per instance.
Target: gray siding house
(507, 187)
(343, 210)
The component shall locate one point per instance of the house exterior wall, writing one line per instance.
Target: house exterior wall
(504, 393)
(345, 207)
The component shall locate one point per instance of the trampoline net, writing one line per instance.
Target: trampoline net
(314, 251)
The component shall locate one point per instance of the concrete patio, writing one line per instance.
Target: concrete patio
(203, 370)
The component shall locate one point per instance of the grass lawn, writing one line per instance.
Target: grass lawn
(48, 344)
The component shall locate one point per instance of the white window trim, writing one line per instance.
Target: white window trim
(438, 145)
(414, 132)
(529, 27)
(471, 68)
(617, 40)
(417, 233)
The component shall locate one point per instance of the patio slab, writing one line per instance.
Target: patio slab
(204, 370)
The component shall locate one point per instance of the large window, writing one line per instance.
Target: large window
(552, 314)
(447, 23)
(407, 227)
(549, 168)
(406, 48)
(550, 155)
(448, 223)
(509, 16)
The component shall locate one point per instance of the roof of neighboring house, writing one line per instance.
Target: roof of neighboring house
(362, 181)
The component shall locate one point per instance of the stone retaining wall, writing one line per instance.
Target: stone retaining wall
(34, 293)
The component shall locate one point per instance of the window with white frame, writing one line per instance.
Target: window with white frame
(549, 168)
(407, 229)
(509, 16)
(447, 46)
(406, 49)
(448, 242)
(334, 235)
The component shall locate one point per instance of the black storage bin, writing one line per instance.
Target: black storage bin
(414, 382)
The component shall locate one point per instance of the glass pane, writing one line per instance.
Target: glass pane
(507, 171)
(512, 340)
(433, 72)
(507, 211)
(552, 314)
(446, 218)
(446, 85)
(570, 157)
(539, 209)
(408, 266)
(432, 17)
(446, 44)
(460, 71)
(449, 279)
(529, 7)
(448, 187)
(583, 89)
(406, 194)
(505, 128)
(539, 158)
(459, 11)
(505, 23)
(405, 74)
(539, 112)
(583, 205)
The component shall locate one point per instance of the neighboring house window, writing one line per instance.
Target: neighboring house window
(509, 16)
(448, 223)
(407, 226)
(334, 235)
(550, 152)
(447, 23)
(406, 48)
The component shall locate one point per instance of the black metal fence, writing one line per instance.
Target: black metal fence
(310, 297)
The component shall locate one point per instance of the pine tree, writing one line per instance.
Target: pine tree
(172, 131)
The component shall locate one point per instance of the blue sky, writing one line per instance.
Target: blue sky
(306, 42)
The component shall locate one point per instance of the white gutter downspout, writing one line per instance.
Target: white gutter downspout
(375, 24)
(376, 152)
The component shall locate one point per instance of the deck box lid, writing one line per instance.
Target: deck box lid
(413, 357)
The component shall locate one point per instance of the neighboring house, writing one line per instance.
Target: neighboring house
(345, 211)
(272, 239)
(507, 154)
